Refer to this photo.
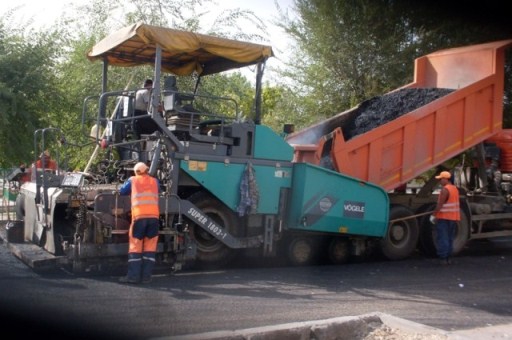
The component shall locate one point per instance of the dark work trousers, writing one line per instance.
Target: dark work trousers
(445, 235)
(143, 124)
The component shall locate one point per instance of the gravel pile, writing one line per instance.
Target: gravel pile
(387, 333)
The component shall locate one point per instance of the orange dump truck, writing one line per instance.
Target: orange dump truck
(465, 117)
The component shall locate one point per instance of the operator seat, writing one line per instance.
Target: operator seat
(179, 111)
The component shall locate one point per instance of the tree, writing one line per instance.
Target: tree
(61, 77)
(27, 91)
(349, 51)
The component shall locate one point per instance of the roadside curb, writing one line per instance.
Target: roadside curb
(349, 327)
(383, 326)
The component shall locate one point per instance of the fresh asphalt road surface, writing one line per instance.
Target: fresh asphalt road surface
(476, 291)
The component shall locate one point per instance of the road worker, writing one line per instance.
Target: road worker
(45, 162)
(143, 124)
(143, 233)
(446, 216)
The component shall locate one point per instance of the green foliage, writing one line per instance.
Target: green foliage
(235, 88)
(46, 78)
(27, 91)
(281, 106)
(349, 51)
(345, 52)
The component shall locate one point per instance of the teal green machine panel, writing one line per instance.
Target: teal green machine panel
(223, 181)
(269, 145)
(326, 201)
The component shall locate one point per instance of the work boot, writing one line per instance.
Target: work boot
(127, 279)
(133, 274)
(148, 262)
(444, 262)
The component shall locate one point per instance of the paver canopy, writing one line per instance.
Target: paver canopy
(183, 53)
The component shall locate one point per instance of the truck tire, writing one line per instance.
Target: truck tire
(301, 251)
(462, 234)
(339, 250)
(427, 243)
(212, 253)
(402, 236)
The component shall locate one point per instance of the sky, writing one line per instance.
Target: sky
(45, 13)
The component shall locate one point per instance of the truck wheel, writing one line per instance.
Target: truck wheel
(402, 236)
(212, 253)
(427, 243)
(301, 251)
(461, 234)
(339, 250)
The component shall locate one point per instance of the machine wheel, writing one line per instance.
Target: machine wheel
(20, 207)
(212, 253)
(402, 236)
(427, 243)
(301, 251)
(339, 250)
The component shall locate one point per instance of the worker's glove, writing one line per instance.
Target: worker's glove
(432, 219)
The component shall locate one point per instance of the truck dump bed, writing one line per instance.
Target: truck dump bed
(466, 109)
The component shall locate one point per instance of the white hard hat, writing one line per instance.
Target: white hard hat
(140, 168)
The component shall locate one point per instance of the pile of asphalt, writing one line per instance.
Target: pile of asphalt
(380, 110)
(383, 109)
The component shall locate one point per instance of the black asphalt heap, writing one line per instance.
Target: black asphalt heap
(383, 109)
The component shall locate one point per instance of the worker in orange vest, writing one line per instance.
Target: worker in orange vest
(446, 216)
(45, 162)
(143, 233)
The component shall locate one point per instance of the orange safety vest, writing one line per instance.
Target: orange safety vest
(144, 197)
(450, 210)
(49, 163)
